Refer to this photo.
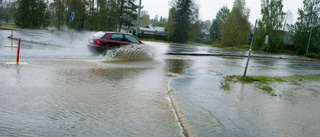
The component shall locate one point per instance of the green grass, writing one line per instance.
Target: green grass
(5, 25)
(265, 81)
(304, 78)
(242, 47)
(268, 90)
(251, 79)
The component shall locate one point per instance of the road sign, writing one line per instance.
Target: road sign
(72, 17)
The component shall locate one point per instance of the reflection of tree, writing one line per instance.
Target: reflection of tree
(99, 75)
(265, 63)
(181, 48)
(177, 65)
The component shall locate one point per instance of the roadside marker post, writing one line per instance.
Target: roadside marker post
(18, 55)
(11, 37)
(11, 41)
(18, 51)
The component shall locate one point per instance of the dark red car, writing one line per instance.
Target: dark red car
(102, 41)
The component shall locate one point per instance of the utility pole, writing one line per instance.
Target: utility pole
(91, 6)
(138, 18)
(0, 16)
(121, 12)
(309, 39)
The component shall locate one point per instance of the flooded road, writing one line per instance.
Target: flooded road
(65, 90)
(64, 98)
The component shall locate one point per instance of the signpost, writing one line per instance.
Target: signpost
(71, 20)
(245, 71)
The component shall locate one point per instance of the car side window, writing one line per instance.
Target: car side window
(131, 39)
(118, 37)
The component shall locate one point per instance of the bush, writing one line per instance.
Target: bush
(217, 44)
(311, 55)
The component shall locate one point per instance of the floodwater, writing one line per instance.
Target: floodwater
(294, 112)
(85, 98)
(65, 90)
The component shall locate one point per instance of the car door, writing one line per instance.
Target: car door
(117, 40)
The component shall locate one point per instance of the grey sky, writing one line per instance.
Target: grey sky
(209, 8)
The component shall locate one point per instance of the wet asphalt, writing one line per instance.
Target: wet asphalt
(156, 90)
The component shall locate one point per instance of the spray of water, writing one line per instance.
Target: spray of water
(130, 52)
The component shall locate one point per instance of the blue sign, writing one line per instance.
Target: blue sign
(72, 17)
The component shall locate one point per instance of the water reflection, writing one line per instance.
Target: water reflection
(98, 75)
(178, 65)
(181, 48)
(267, 63)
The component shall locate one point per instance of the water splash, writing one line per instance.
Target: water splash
(131, 52)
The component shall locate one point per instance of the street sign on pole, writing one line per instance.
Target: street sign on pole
(71, 20)
(72, 17)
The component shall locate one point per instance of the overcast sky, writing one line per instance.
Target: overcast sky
(209, 8)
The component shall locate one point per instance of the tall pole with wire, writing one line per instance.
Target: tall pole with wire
(309, 40)
(138, 19)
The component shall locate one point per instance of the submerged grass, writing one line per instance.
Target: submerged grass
(251, 79)
(265, 81)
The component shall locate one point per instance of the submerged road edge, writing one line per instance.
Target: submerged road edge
(184, 120)
(185, 126)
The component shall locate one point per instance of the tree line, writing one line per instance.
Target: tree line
(230, 27)
(89, 14)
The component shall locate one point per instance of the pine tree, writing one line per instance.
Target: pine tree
(236, 30)
(182, 21)
(31, 14)
(186, 13)
(127, 12)
(105, 16)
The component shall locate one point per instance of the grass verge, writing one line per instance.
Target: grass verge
(5, 25)
(264, 82)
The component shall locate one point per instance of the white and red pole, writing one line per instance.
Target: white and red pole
(11, 37)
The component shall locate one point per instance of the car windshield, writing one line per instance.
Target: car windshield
(99, 35)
